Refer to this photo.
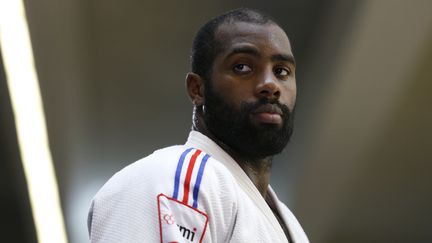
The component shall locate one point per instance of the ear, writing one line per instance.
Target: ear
(195, 88)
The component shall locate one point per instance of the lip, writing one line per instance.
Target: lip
(268, 113)
(268, 108)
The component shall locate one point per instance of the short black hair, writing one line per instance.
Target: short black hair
(205, 46)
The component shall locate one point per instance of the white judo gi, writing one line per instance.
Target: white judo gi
(187, 193)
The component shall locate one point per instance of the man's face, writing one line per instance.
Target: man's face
(250, 98)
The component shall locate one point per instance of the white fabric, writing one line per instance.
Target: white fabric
(219, 202)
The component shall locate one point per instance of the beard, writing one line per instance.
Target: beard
(234, 127)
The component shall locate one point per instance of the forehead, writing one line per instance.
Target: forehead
(268, 36)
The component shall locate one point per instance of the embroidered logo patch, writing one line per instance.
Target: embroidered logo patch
(179, 222)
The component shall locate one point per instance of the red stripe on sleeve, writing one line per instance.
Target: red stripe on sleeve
(188, 176)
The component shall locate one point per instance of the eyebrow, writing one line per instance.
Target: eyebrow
(284, 57)
(254, 52)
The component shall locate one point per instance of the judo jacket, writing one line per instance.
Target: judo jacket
(187, 193)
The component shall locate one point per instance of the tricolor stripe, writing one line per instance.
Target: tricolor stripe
(188, 177)
(194, 161)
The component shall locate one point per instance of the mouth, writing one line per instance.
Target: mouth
(268, 113)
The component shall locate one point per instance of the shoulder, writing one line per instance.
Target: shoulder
(150, 171)
(126, 203)
(167, 180)
(170, 171)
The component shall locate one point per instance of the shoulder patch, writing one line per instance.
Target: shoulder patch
(179, 222)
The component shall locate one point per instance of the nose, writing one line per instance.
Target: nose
(268, 87)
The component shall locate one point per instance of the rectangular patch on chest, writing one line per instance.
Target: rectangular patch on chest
(179, 222)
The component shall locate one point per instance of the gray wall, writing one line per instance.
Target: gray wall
(358, 168)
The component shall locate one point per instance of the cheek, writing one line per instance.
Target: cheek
(289, 94)
(231, 90)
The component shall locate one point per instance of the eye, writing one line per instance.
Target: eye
(242, 68)
(280, 71)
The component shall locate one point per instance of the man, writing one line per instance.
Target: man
(215, 188)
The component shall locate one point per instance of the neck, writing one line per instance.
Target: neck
(257, 169)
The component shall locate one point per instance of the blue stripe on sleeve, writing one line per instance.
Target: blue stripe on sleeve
(178, 172)
(198, 180)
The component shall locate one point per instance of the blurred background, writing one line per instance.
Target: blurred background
(111, 73)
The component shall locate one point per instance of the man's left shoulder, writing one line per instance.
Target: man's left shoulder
(152, 173)
(127, 204)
